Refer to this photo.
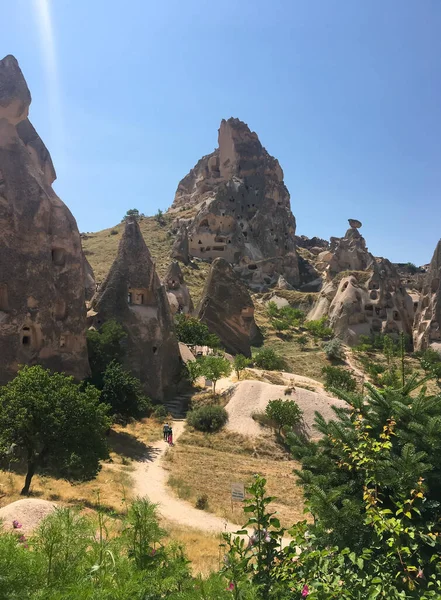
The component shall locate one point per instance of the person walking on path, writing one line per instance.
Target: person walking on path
(165, 431)
(170, 436)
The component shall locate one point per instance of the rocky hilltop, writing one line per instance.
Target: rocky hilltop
(42, 269)
(427, 329)
(362, 294)
(239, 210)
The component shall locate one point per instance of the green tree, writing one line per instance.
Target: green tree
(213, 368)
(194, 332)
(240, 363)
(284, 413)
(334, 349)
(123, 392)
(56, 423)
(318, 328)
(268, 359)
(302, 341)
(104, 346)
(132, 213)
(338, 378)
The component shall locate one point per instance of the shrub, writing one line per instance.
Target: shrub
(268, 359)
(193, 332)
(160, 413)
(159, 218)
(211, 367)
(208, 418)
(334, 349)
(240, 363)
(202, 502)
(318, 328)
(114, 232)
(284, 318)
(302, 341)
(104, 346)
(338, 378)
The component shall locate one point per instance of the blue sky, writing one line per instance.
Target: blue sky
(345, 93)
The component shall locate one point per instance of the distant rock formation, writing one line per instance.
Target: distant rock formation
(314, 244)
(180, 250)
(369, 300)
(133, 295)
(177, 291)
(227, 309)
(89, 280)
(241, 209)
(427, 326)
(42, 302)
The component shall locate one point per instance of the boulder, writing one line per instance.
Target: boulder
(241, 209)
(133, 295)
(355, 223)
(227, 309)
(427, 325)
(42, 272)
(177, 290)
(28, 513)
(349, 253)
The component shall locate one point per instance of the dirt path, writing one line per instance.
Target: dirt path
(150, 480)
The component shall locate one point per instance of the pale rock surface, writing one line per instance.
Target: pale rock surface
(177, 291)
(132, 294)
(227, 309)
(241, 209)
(427, 326)
(29, 512)
(42, 275)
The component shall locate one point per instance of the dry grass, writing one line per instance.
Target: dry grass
(202, 549)
(113, 482)
(217, 468)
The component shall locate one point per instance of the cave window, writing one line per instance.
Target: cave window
(58, 256)
(229, 241)
(279, 203)
(373, 295)
(26, 338)
(204, 223)
(4, 297)
(415, 305)
(203, 249)
(396, 316)
(231, 199)
(60, 309)
(276, 240)
(252, 267)
(377, 310)
(245, 234)
(154, 349)
(218, 248)
(345, 286)
(129, 298)
(369, 308)
(62, 341)
(140, 298)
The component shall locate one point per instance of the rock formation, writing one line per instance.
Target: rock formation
(180, 250)
(227, 309)
(42, 303)
(133, 295)
(370, 299)
(177, 291)
(427, 327)
(89, 280)
(241, 209)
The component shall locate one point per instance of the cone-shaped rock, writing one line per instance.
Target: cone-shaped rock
(177, 290)
(42, 303)
(241, 209)
(427, 326)
(180, 249)
(133, 295)
(227, 309)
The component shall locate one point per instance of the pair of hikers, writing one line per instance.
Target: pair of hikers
(168, 433)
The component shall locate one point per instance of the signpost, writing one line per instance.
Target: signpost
(237, 492)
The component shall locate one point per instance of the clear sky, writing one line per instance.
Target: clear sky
(128, 95)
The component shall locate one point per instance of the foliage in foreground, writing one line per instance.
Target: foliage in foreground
(209, 418)
(56, 424)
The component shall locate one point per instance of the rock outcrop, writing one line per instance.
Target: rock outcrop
(241, 209)
(370, 299)
(177, 291)
(427, 326)
(180, 250)
(227, 309)
(89, 280)
(133, 295)
(42, 301)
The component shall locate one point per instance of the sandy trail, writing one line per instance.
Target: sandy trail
(150, 479)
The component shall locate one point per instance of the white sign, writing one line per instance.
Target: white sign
(237, 492)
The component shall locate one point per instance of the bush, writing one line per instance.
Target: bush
(104, 346)
(160, 413)
(284, 318)
(211, 367)
(208, 418)
(338, 378)
(114, 232)
(202, 502)
(302, 341)
(318, 328)
(284, 413)
(240, 363)
(193, 332)
(334, 349)
(268, 359)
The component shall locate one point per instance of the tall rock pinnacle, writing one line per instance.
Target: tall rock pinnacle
(133, 295)
(240, 209)
(427, 326)
(42, 304)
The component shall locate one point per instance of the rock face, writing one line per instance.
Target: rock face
(177, 291)
(133, 295)
(369, 300)
(427, 327)
(227, 309)
(42, 302)
(241, 209)
(89, 280)
(180, 250)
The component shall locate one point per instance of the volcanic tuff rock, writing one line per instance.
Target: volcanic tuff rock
(89, 280)
(227, 309)
(369, 299)
(180, 249)
(133, 295)
(177, 290)
(427, 327)
(241, 209)
(42, 304)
